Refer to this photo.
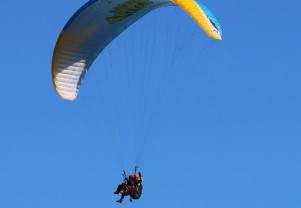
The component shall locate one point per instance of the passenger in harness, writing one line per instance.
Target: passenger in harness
(131, 186)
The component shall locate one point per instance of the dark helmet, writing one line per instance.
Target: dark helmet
(131, 176)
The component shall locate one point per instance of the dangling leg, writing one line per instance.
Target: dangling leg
(121, 199)
(119, 188)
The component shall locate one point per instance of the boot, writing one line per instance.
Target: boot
(119, 201)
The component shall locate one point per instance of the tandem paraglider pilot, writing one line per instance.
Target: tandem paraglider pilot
(131, 186)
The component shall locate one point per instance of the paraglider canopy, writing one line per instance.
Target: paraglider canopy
(97, 23)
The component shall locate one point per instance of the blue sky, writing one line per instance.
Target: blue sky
(231, 139)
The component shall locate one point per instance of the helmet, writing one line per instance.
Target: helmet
(136, 175)
(131, 176)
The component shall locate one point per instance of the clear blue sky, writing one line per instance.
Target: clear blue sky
(232, 138)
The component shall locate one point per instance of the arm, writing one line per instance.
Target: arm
(140, 179)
